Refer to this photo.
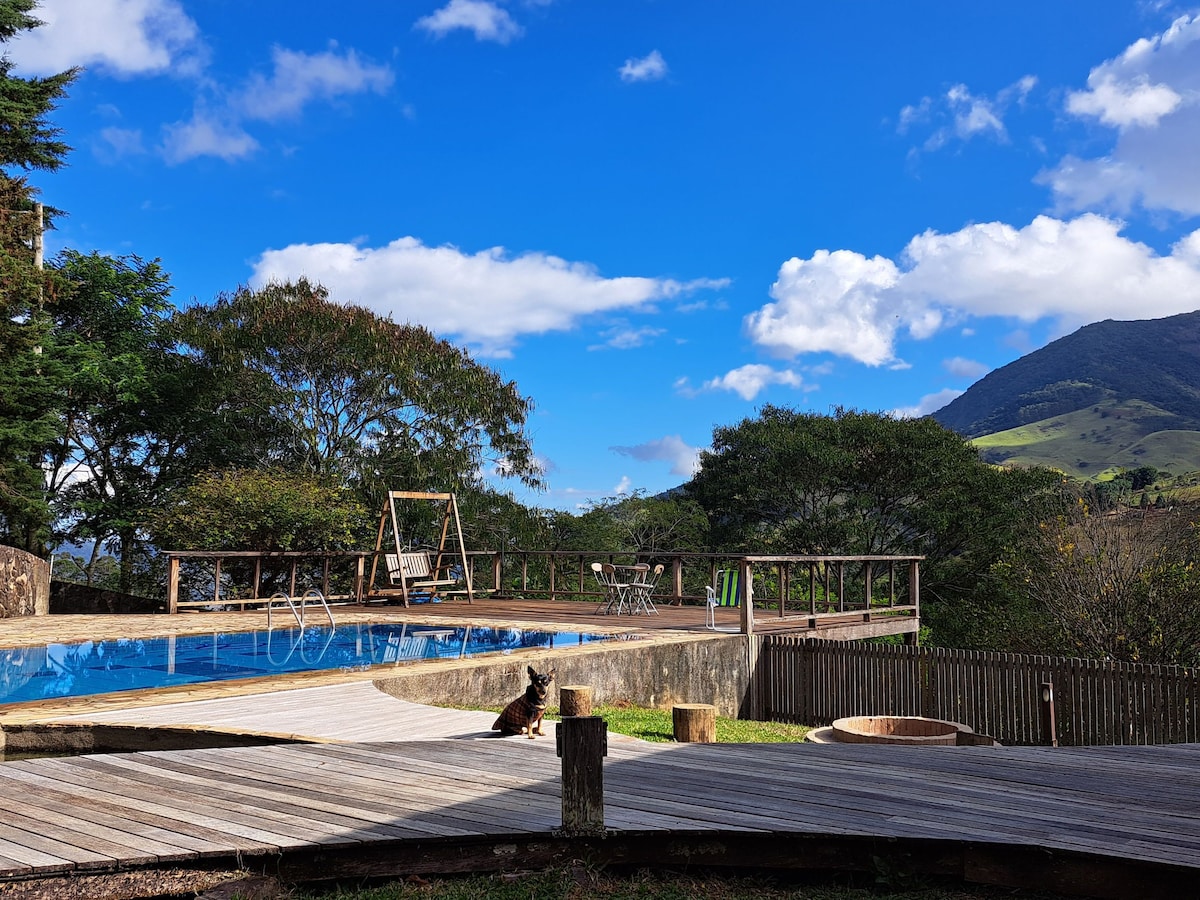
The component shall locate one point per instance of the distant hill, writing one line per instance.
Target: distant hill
(1098, 441)
(1102, 366)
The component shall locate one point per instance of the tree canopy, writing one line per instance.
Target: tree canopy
(358, 397)
(865, 483)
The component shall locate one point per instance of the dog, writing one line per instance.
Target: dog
(525, 713)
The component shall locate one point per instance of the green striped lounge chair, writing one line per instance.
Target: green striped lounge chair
(726, 592)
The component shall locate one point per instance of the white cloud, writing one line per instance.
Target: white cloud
(625, 337)
(1074, 272)
(296, 80)
(930, 403)
(1150, 95)
(749, 380)
(299, 78)
(684, 459)
(963, 115)
(623, 486)
(121, 142)
(965, 368)
(124, 37)
(651, 67)
(487, 298)
(206, 136)
(834, 300)
(485, 19)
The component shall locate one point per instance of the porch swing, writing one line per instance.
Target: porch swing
(420, 572)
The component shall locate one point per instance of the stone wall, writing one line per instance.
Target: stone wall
(655, 673)
(24, 584)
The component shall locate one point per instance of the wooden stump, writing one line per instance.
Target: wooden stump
(694, 723)
(575, 700)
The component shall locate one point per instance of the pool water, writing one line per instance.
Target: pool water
(130, 664)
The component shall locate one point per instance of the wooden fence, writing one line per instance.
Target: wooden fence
(999, 694)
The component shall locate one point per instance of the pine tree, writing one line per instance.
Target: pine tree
(29, 388)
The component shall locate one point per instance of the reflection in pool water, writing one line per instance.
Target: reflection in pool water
(129, 664)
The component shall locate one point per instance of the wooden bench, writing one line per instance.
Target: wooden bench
(414, 571)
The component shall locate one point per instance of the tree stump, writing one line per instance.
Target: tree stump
(575, 700)
(694, 723)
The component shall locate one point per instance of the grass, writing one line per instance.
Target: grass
(583, 883)
(655, 725)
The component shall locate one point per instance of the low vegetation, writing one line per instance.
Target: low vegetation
(579, 882)
(655, 725)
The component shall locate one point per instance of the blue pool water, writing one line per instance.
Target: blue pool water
(129, 664)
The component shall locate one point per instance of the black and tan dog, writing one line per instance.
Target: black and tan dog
(525, 713)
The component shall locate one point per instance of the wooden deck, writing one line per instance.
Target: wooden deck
(442, 795)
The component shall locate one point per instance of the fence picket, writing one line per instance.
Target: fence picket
(1096, 701)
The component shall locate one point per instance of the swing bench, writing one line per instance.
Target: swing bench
(425, 572)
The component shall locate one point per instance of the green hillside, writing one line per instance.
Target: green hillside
(1095, 442)
(1155, 361)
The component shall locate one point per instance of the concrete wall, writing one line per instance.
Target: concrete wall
(656, 672)
(24, 584)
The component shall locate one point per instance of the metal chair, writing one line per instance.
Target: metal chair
(725, 593)
(643, 589)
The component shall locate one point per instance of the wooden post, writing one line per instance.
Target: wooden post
(1049, 729)
(582, 745)
(694, 723)
(575, 700)
(746, 584)
(173, 584)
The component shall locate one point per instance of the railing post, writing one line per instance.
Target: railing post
(582, 743)
(914, 599)
(747, 597)
(1049, 729)
(173, 584)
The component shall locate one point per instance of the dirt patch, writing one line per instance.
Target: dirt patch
(144, 884)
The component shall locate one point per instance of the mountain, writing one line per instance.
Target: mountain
(1102, 366)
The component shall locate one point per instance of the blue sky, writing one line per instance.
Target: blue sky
(654, 215)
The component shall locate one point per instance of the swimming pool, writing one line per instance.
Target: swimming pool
(130, 664)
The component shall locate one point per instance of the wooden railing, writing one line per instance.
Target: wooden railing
(804, 591)
(999, 694)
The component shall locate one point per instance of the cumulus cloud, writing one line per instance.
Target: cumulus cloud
(486, 20)
(299, 78)
(488, 298)
(651, 67)
(930, 403)
(965, 368)
(960, 114)
(1150, 95)
(122, 37)
(749, 380)
(1073, 271)
(623, 486)
(683, 458)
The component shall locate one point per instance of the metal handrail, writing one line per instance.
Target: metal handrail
(311, 594)
(280, 595)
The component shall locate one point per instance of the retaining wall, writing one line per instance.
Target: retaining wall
(657, 672)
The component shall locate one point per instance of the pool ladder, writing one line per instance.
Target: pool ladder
(298, 612)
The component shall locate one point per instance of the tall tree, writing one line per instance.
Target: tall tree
(28, 389)
(871, 484)
(138, 419)
(359, 397)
